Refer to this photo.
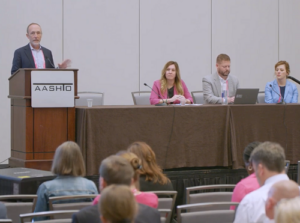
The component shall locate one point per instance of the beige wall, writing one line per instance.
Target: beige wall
(118, 45)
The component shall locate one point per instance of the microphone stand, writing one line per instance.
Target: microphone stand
(159, 104)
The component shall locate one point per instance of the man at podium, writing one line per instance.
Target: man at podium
(34, 55)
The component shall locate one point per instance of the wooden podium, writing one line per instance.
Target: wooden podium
(37, 132)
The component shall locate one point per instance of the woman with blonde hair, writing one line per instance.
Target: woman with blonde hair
(68, 166)
(117, 205)
(151, 175)
(288, 211)
(170, 89)
(281, 90)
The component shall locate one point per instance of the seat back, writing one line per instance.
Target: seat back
(198, 97)
(166, 201)
(193, 196)
(98, 98)
(52, 214)
(211, 216)
(141, 97)
(75, 202)
(261, 97)
(18, 204)
(6, 221)
(165, 213)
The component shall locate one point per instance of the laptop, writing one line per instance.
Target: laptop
(246, 96)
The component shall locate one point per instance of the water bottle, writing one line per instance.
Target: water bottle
(224, 94)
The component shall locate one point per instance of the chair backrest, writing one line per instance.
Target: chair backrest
(165, 213)
(287, 166)
(75, 202)
(6, 221)
(194, 198)
(166, 201)
(98, 98)
(198, 97)
(141, 97)
(18, 204)
(24, 217)
(261, 97)
(211, 216)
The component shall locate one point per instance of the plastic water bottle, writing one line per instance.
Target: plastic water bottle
(224, 94)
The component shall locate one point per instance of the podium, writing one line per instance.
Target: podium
(37, 132)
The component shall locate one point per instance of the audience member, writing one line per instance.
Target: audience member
(285, 189)
(117, 204)
(116, 170)
(281, 89)
(250, 183)
(69, 167)
(288, 211)
(268, 160)
(170, 89)
(212, 84)
(151, 175)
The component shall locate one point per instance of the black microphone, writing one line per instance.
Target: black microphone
(282, 101)
(50, 62)
(161, 104)
(294, 79)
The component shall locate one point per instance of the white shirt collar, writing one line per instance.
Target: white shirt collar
(276, 178)
(222, 80)
(33, 48)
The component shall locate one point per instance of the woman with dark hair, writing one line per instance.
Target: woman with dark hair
(69, 167)
(250, 183)
(170, 89)
(151, 175)
(281, 89)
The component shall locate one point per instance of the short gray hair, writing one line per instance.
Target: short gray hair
(271, 155)
(116, 170)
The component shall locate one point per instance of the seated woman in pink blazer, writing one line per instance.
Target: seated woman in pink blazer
(170, 87)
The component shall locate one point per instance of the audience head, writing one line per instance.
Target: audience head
(171, 72)
(282, 70)
(150, 168)
(288, 210)
(115, 170)
(135, 163)
(268, 159)
(117, 204)
(34, 34)
(68, 160)
(223, 65)
(281, 190)
(247, 153)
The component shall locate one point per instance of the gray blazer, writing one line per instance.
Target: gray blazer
(212, 88)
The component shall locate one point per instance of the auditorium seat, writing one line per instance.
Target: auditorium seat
(197, 97)
(164, 213)
(52, 214)
(141, 97)
(195, 195)
(6, 221)
(166, 201)
(211, 215)
(98, 98)
(18, 204)
(261, 97)
(61, 206)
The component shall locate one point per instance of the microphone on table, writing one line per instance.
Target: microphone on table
(50, 62)
(161, 104)
(294, 79)
(282, 101)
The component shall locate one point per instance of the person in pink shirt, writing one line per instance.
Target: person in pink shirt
(170, 89)
(248, 184)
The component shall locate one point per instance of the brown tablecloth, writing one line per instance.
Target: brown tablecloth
(188, 136)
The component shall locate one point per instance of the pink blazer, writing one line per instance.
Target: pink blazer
(154, 99)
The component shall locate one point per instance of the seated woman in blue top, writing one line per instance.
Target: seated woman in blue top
(285, 90)
(69, 167)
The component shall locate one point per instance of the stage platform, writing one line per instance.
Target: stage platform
(27, 181)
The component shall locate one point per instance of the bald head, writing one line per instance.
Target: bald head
(285, 189)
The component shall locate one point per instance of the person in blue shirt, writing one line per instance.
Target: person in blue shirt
(281, 89)
(68, 166)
